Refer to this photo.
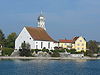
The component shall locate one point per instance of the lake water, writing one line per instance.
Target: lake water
(49, 67)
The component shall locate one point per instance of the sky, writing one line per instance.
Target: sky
(64, 18)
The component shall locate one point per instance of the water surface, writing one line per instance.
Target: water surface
(49, 67)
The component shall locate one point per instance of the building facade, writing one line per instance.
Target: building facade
(36, 37)
(78, 43)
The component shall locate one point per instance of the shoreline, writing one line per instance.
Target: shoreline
(49, 58)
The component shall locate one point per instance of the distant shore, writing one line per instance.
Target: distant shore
(48, 58)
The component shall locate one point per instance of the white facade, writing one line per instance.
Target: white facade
(56, 44)
(44, 44)
(24, 36)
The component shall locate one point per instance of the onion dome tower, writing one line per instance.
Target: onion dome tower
(41, 21)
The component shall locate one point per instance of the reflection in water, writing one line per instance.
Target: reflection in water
(49, 67)
(81, 61)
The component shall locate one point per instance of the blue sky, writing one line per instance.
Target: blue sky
(64, 18)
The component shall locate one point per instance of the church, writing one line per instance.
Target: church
(36, 37)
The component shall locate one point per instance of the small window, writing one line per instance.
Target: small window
(82, 44)
(78, 44)
(78, 48)
(82, 48)
(80, 40)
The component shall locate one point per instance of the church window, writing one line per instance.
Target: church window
(41, 44)
(49, 45)
(36, 46)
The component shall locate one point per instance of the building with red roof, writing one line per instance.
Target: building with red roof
(36, 37)
(78, 43)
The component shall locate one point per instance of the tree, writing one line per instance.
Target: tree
(72, 51)
(25, 46)
(2, 38)
(7, 51)
(25, 51)
(10, 41)
(91, 45)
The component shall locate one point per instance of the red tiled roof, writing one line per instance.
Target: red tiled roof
(75, 38)
(39, 34)
(68, 41)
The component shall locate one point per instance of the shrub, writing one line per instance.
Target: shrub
(88, 53)
(35, 50)
(61, 50)
(7, 51)
(55, 54)
(25, 52)
(72, 51)
(45, 50)
(32, 50)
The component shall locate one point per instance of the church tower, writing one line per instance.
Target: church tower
(41, 21)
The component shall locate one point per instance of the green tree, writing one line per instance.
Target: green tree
(7, 51)
(25, 51)
(10, 41)
(2, 38)
(72, 51)
(91, 45)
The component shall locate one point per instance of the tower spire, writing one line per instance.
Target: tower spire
(41, 21)
(41, 12)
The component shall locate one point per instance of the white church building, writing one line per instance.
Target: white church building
(36, 37)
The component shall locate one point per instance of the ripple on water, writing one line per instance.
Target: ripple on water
(49, 67)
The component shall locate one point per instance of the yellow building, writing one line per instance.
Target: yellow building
(65, 43)
(78, 43)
